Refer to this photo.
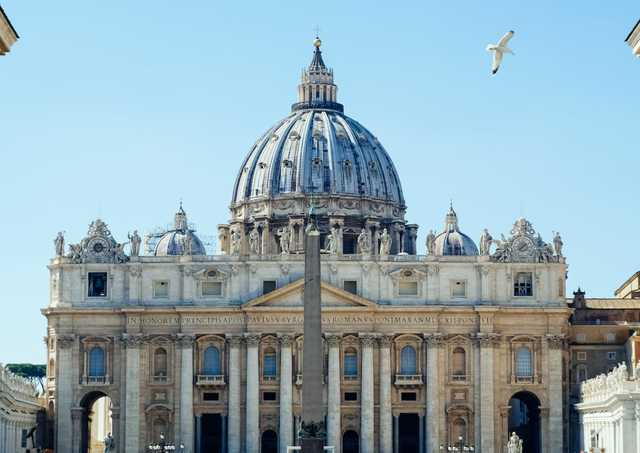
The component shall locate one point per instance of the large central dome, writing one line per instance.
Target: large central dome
(317, 152)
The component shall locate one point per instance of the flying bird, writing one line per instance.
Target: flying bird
(499, 50)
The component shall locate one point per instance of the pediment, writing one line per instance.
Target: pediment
(292, 294)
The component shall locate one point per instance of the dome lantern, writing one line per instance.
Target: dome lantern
(317, 90)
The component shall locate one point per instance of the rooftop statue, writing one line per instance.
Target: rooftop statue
(254, 238)
(285, 239)
(385, 242)
(188, 243)
(135, 243)
(431, 243)
(235, 242)
(557, 244)
(58, 243)
(364, 241)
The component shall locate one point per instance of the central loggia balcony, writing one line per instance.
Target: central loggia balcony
(206, 380)
(408, 380)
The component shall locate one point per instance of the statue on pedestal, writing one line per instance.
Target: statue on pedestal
(334, 240)
(485, 242)
(364, 241)
(135, 243)
(254, 239)
(285, 239)
(58, 243)
(431, 243)
(109, 444)
(515, 444)
(385, 242)
(187, 243)
(235, 242)
(557, 244)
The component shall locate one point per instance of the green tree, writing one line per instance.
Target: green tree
(35, 373)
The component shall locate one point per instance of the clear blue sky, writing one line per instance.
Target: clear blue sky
(124, 107)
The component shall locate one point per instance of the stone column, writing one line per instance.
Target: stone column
(488, 341)
(333, 394)
(367, 429)
(234, 420)
(421, 432)
(396, 432)
(556, 345)
(132, 343)
(198, 432)
(483, 272)
(184, 343)
(252, 442)
(223, 422)
(386, 428)
(296, 422)
(115, 425)
(434, 341)
(286, 389)
(76, 416)
(477, 407)
(64, 365)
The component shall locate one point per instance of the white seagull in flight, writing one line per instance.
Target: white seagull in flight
(499, 50)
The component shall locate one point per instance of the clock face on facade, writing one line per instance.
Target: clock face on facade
(523, 246)
(98, 247)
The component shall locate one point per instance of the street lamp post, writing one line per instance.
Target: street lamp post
(458, 446)
(163, 447)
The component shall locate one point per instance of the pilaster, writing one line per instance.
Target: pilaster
(64, 366)
(488, 342)
(434, 342)
(367, 440)
(286, 388)
(252, 442)
(132, 344)
(385, 416)
(333, 394)
(234, 418)
(555, 347)
(184, 343)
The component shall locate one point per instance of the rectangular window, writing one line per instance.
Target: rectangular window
(349, 246)
(407, 288)
(350, 365)
(582, 375)
(351, 286)
(268, 286)
(409, 396)
(351, 396)
(269, 396)
(523, 285)
(211, 396)
(212, 288)
(611, 337)
(582, 337)
(24, 438)
(612, 355)
(160, 289)
(97, 284)
(458, 288)
(582, 356)
(270, 365)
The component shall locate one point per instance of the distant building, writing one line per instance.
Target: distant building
(630, 289)
(634, 39)
(8, 34)
(19, 407)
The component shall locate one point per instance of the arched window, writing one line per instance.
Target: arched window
(212, 361)
(350, 362)
(160, 362)
(459, 362)
(96, 362)
(269, 364)
(160, 426)
(460, 430)
(523, 362)
(408, 360)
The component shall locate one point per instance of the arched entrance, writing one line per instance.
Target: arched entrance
(409, 433)
(269, 442)
(524, 420)
(96, 422)
(350, 442)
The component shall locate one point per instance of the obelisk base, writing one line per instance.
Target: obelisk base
(312, 445)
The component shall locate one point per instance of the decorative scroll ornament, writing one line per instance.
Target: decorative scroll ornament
(434, 340)
(135, 271)
(333, 339)
(483, 270)
(284, 269)
(253, 339)
(286, 339)
(65, 341)
(385, 339)
(522, 246)
(488, 340)
(555, 341)
(433, 271)
(183, 341)
(234, 340)
(366, 339)
(312, 430)
(134, 340)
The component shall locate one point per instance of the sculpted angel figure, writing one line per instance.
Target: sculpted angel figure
(364, 241)
(58, 243)
(431, 243)
(385, 242)
(118, 253)
(75, 253)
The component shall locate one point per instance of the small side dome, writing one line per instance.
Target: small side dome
(173, 241)
(452, 241)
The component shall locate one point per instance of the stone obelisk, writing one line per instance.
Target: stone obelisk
(312, 429)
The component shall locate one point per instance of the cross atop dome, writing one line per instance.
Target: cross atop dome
(317, 90)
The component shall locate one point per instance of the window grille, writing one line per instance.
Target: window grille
(408, 359)
(96, 362)
(212, 361)
(523, 362)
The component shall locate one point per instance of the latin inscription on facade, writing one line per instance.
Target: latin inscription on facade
(190, 320)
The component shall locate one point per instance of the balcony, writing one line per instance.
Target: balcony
(408, 380)
(299, 380)
(350, 377)
(459, 377)
(270, 378)
(159, 380)
(523, 380)
(96, 380)
(204, 380)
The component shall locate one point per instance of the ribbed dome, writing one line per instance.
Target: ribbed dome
(452, 241)
(322, 148)
(172, 243)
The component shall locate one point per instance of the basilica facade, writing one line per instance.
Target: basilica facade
(423, 345)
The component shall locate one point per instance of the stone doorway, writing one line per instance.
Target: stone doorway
(524, 420)
(95, 422)
(211, 437)
(269, 442)
(350, 442)
(409, 433)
